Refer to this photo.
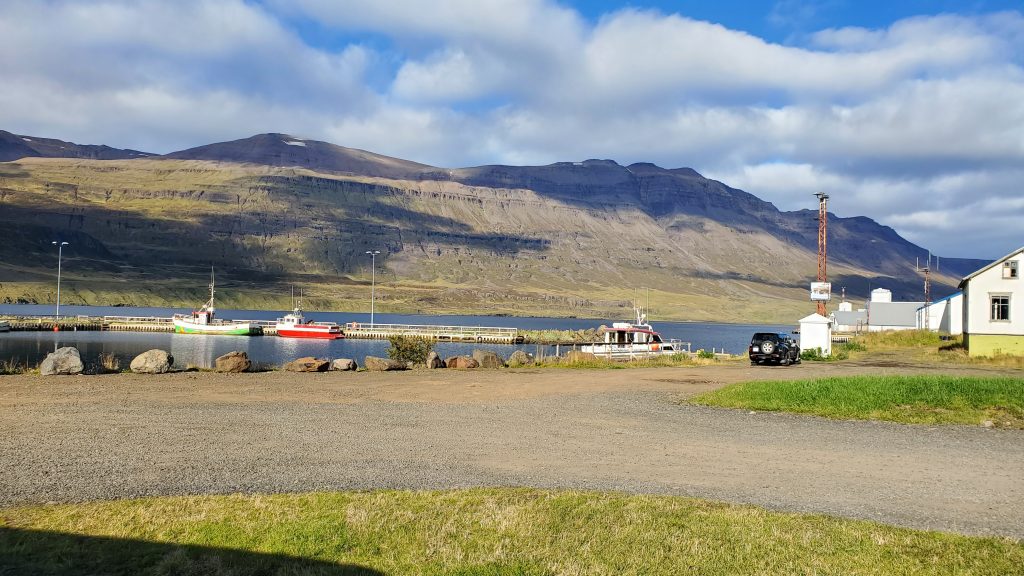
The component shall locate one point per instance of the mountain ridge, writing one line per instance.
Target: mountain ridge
(17, 146)
(493, 239)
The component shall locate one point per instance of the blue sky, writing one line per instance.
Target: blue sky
(909, 112)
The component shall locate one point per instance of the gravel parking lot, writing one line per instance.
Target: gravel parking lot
(117, 436)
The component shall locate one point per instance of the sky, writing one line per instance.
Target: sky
(909, 112)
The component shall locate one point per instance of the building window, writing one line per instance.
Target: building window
(1010, 269)
(1001, 308)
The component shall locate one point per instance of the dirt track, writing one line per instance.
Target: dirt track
(103, 437)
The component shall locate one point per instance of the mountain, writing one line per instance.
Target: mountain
(16, 146)
(283, 150)
(571, 238)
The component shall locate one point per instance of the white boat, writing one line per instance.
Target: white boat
(5, 326)
(625, 341)
(294, 325)
(204, 321)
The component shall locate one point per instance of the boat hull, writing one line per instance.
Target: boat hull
(241, 329)
(296, 332)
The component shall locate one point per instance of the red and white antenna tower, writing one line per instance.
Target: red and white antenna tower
(927, 291)
(822, 243)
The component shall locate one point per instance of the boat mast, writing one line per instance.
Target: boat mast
(209, 305)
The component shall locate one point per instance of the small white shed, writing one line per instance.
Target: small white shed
(816, 332)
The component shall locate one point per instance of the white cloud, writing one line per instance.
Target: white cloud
(919, 125)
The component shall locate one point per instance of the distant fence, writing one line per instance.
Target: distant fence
(488, 334)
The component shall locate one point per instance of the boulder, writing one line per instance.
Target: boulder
(434, 361)
(382, 364)
(461, 362)
(488, 359)
(63, 361)
(344, 365)
(308, 364)
(575, 356)
(518, 359)
(232, 362)
(152, 362)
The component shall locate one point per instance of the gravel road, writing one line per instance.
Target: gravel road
(104, 437)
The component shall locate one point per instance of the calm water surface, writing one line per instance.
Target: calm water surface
(190, 349)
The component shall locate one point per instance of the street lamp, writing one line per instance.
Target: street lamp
(60, 251)
(373, 280)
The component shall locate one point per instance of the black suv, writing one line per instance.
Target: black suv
(773, 347)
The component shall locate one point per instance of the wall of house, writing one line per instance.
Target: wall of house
(945, 316)
(982, 335)
(993, 344)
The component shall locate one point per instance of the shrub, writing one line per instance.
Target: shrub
(853, 346)
(702, 353)
(815, 355)
(108, 363)
(409, 349)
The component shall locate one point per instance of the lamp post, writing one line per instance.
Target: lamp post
(60, 252)
(373, 280)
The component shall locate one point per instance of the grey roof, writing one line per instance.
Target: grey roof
(893, 313)
(851, 318)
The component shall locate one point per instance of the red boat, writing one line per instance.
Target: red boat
(294, 325)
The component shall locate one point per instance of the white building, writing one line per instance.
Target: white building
(945, 315)
(993, 307)
(816, 332)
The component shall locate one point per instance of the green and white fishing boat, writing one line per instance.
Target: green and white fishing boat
(204, 321)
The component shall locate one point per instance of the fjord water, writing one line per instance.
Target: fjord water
(197, 350)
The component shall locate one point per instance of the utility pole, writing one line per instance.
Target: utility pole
(373, 280)
(60, 252)
(822, 243)
(927, 292)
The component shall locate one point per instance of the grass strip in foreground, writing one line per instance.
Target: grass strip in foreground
(480, 531)
(907, 399)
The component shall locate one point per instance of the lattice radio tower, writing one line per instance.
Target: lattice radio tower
(822, 243)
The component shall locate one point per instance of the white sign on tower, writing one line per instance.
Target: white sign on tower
(821, 291)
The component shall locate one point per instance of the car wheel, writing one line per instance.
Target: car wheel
(767, 347)
(784, 362)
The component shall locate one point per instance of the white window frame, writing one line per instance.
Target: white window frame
(992, 307)
(1011, 270)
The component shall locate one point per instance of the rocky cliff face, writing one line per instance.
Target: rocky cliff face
(575, 238)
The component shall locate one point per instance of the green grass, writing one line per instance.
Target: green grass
(481, 531)
(908, 399)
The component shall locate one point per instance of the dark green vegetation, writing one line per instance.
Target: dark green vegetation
(486, 531)
(566, 239)
(409, 348)
(908, 399)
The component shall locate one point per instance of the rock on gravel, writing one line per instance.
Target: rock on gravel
(518, 359)
(63, 361)
(375, 364)
(308, 364)
(153, 361)
(488, 359)
(434, 361)
(344, 365)
(461, 362)
(236, 361)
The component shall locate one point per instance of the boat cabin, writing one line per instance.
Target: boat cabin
(626, 333)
